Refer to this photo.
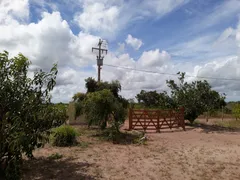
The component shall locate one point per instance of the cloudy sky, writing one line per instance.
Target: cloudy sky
(201, 38)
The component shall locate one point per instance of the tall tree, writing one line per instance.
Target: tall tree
(100, 106)
(26, 111)
(196, 97)
(148, 99)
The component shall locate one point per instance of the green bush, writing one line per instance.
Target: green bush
(26, 112)
(64, 136)
(55, 156)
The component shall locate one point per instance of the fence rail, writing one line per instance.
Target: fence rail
(156, 119)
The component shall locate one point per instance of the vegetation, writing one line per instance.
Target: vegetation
(26, 111)
(196, 97)
(102, 107)
(152, 99)
(27, 116)
(64, 136)
(232, 124)
(236, 111)
(55, 156)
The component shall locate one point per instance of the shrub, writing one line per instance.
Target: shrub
(102, 107)
(236, 111)
(64, 136)
(55, 156)
(26, 112)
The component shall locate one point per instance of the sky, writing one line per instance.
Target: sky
(201, 38)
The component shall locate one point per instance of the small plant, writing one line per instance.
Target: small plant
(55, 156)
(83, 144)
(64, 136)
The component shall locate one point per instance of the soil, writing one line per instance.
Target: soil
(198, 153)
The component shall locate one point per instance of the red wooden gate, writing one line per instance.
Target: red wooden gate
(156, 119)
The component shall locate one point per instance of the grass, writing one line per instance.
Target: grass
(83, 144)
(120, 137)
(229, 124)
(55, 156)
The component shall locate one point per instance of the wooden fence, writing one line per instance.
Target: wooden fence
(156, 119)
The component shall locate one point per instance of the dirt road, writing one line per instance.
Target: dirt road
(195, 154)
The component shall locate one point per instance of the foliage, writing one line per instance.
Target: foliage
(79, 97)
(64, 136)
(149, 99)
(152, 99)
(236, 111)
(26, 111)
(231, 124)
(92, 86)
(101, 106)
(196, 97)
(55, 156)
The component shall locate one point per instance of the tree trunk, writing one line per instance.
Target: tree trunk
(207, 117)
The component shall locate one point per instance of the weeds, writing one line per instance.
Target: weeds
(229, 124)
(55, 156)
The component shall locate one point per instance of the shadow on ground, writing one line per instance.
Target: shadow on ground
(44, 168)
(120, 138)
(207, 128)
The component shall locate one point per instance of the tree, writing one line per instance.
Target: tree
(78, 99)
(196, 97)
(148, 99)
(26, 111)
(101, 106)
(154, 99)
(236, 111)
(91, 85)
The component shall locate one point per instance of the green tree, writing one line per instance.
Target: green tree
(92, 86)
(101, 107)
(154, 99)
(26, 111)
(196, 97)
(236, 111)
(78, 99)
(148, 99)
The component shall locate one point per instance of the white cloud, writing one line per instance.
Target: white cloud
(48, 41)
(51, 40)
(134, 42)
(14, 11)
(107, 17)
(221, 13)
(98, 17)
(154, 58)
(207, 47)
(238, 35)
(121, 48)
(162, 7)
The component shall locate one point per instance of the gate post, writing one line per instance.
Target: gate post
(130, 118)
(158, 114)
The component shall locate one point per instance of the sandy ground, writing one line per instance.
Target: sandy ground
(196, 154)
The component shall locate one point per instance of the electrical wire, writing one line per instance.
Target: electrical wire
(170, 74)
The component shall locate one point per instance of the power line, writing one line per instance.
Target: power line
(170, 74)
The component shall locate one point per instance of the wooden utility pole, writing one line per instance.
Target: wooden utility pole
(222, 113)
(99, 57)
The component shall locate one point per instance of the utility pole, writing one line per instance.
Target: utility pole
(100, 57)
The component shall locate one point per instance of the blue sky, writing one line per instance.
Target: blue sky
(195, 36)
